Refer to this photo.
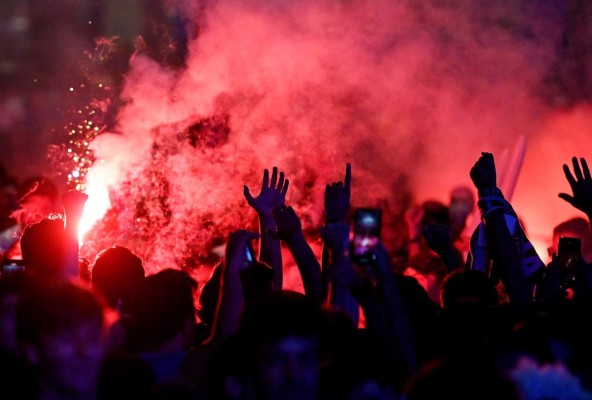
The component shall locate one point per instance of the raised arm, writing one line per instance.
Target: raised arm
(397, 326)
(337, 205)
(231, 298)
(581, 187)
(289, 229)
(514, 259)
(272, 195)
(340, 273)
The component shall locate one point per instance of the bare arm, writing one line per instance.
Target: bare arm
(290, 230)
(272, 195)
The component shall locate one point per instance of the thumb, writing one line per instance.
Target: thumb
(247, 194)
(566, 197)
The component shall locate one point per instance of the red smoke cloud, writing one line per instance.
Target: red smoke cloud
(410, 94)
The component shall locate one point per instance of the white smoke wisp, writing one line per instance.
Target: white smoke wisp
(399, 89)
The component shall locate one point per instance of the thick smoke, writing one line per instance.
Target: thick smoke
(409, 92)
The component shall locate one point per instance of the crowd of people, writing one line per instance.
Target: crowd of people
(477, 318)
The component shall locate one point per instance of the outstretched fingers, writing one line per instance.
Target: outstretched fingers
(567, 198)
(585, 169)
(280, 183)
(569, 176)
(284, 189)
(577, 169)
(265, 183)
(347, 181)
(274, 178)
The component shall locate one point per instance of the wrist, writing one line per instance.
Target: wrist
(491, 191)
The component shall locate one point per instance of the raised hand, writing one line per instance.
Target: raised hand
(483, 173)
(337, 197)
(273, 193)
(581, 186)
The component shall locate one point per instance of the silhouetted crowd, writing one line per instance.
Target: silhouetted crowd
(453, 316)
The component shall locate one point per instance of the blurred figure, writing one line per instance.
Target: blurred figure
(423, 263)
(11, 288)
(460, 208)
(283, 336)
(37, 199)
(163, 321)
(43, 246)
(8, 197)
(117, 272)
(61, 332)
(578, 228)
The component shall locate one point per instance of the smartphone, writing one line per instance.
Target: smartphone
(366, 234)
(250, 253)
(569, 246)
(11, 265)
(569, 252)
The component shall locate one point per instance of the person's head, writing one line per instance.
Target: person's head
(462, 204)
(43, 247)
(435, 212)
(117, 272)
(577, 228)
(460, 380)
(468, 287)
(283, 334)
(61, 328)
(163, 310)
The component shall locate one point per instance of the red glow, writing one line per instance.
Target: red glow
(96, 205)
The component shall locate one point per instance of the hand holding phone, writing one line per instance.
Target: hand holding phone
(569, 253)
(568, 259)
(250, 256)
(366, 234)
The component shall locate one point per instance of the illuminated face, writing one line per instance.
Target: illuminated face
(70, 359)
(289, 369)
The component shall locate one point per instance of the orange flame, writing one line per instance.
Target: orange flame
(96, 206)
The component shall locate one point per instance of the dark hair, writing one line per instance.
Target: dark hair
(435, 212)
(279, 314)
(117, 272)
(473, 286)
(160, 307)
(50, 306)
(43, 247)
